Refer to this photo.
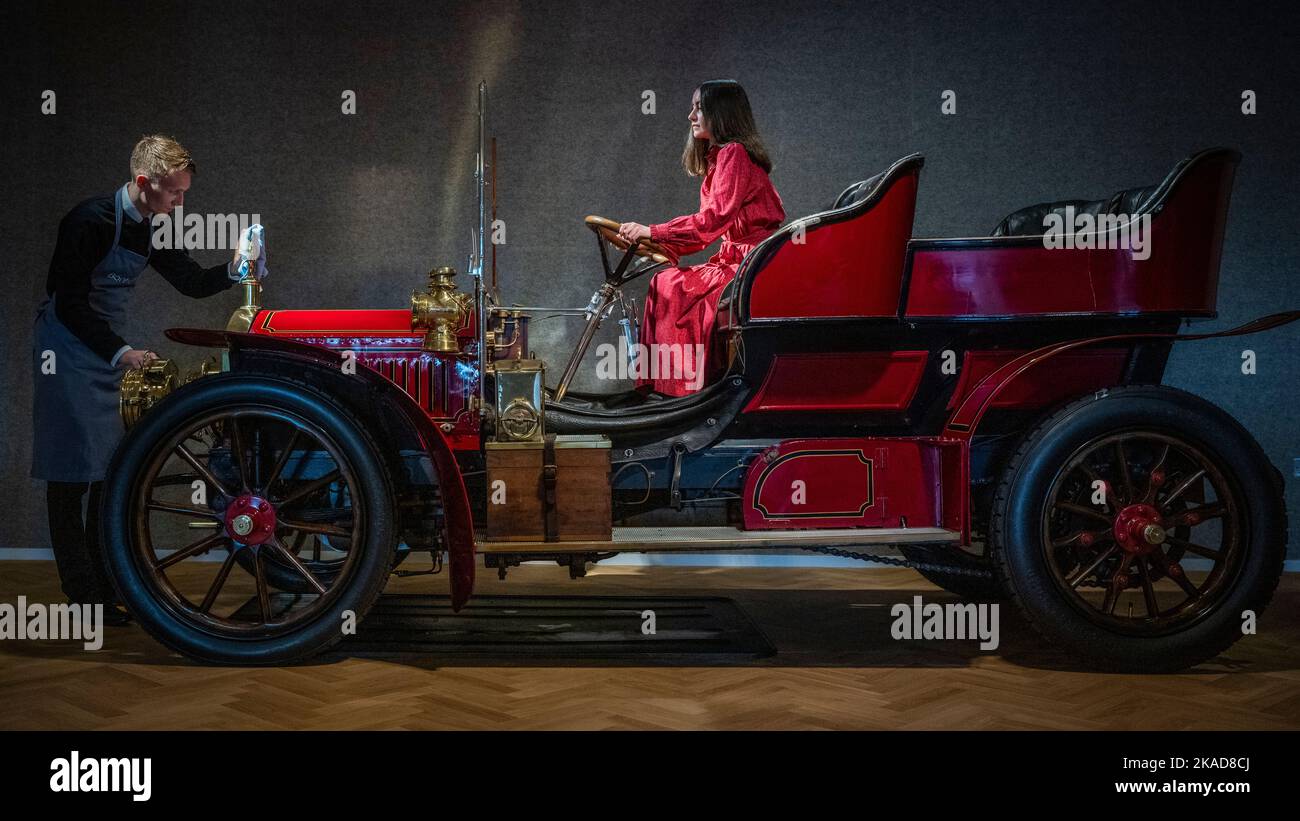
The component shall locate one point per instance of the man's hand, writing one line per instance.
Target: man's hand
(634, 231)
(134, 359)
(250, 249)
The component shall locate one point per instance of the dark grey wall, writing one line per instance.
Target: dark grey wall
(1053, 101)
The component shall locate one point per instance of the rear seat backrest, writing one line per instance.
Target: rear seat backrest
(856, 191)
(1029, 221)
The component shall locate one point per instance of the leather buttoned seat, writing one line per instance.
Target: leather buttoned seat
(1030, 221)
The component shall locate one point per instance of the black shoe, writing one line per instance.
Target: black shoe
(116, 617)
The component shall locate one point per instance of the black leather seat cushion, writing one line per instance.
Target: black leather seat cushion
(1029, 221)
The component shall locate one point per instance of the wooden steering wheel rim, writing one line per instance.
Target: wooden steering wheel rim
(608, 229)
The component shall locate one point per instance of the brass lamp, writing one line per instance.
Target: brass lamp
(440, 312)
(143, 387)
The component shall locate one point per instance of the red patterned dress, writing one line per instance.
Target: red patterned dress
(737, 203)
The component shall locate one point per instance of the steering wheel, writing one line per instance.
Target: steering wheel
(607, 230)
(652, 255)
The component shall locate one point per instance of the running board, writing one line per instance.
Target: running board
(710, 539)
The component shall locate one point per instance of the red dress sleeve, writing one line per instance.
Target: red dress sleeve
(731, 184)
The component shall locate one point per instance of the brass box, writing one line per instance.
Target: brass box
(516, 510)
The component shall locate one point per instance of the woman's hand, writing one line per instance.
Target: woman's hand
(634, 231)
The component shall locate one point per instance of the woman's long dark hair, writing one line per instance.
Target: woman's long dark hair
(725, 108)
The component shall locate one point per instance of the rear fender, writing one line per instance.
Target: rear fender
(258, 352)
(966, 417)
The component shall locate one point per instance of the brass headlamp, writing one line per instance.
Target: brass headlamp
(440, 312)
(143, 387)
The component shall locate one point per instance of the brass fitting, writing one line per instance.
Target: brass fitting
(143, 387)
(242, 319)
(440, 312)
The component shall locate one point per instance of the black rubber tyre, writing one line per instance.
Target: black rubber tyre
(973, 588)
(193, 630)
(1032, 561)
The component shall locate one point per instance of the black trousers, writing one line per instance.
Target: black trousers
(75, 539)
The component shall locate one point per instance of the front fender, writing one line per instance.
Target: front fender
(246, 350)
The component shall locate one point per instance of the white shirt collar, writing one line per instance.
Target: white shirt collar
(128, 207)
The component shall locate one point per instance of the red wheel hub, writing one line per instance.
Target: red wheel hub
(250, 519)
(1139, 529)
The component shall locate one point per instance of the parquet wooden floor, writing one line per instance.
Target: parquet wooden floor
(836, 668)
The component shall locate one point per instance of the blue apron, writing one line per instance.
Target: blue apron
(75, 412)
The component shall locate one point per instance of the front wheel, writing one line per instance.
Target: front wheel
(1138, 528)
(234, 466)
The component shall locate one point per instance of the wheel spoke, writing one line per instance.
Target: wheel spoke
(1094, 536)
(218, 583)
(281, 462)
(1211, 511)
(1148, 592)
(1153, 487)
(298, 541)
(1194, 548)
(324, 514)
(1179, 577)
(203, 471)
(308, 489)
(313, 527)
(237, 452)
(298, 565)
(1082, 511)
(1113, 590)
(1083, 573)
(1122, 465)
(184, 510)
(263, 589)
(1182, 487)
(1108, 603)
(174, 479)
(201, 546)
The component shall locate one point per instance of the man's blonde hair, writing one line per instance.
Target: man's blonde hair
(157, 155)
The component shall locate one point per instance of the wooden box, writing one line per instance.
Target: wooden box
(516, 510)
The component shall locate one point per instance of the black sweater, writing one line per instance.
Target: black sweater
(85, 236)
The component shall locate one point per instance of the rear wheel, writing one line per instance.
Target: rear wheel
(1136, 527)
(259, 450)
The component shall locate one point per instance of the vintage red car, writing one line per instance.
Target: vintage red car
(990, 405)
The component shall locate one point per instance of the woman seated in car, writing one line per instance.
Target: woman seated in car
(737, 203)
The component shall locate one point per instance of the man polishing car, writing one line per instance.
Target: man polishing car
(104, 244)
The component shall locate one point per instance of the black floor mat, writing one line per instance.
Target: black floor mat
(587, 627)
